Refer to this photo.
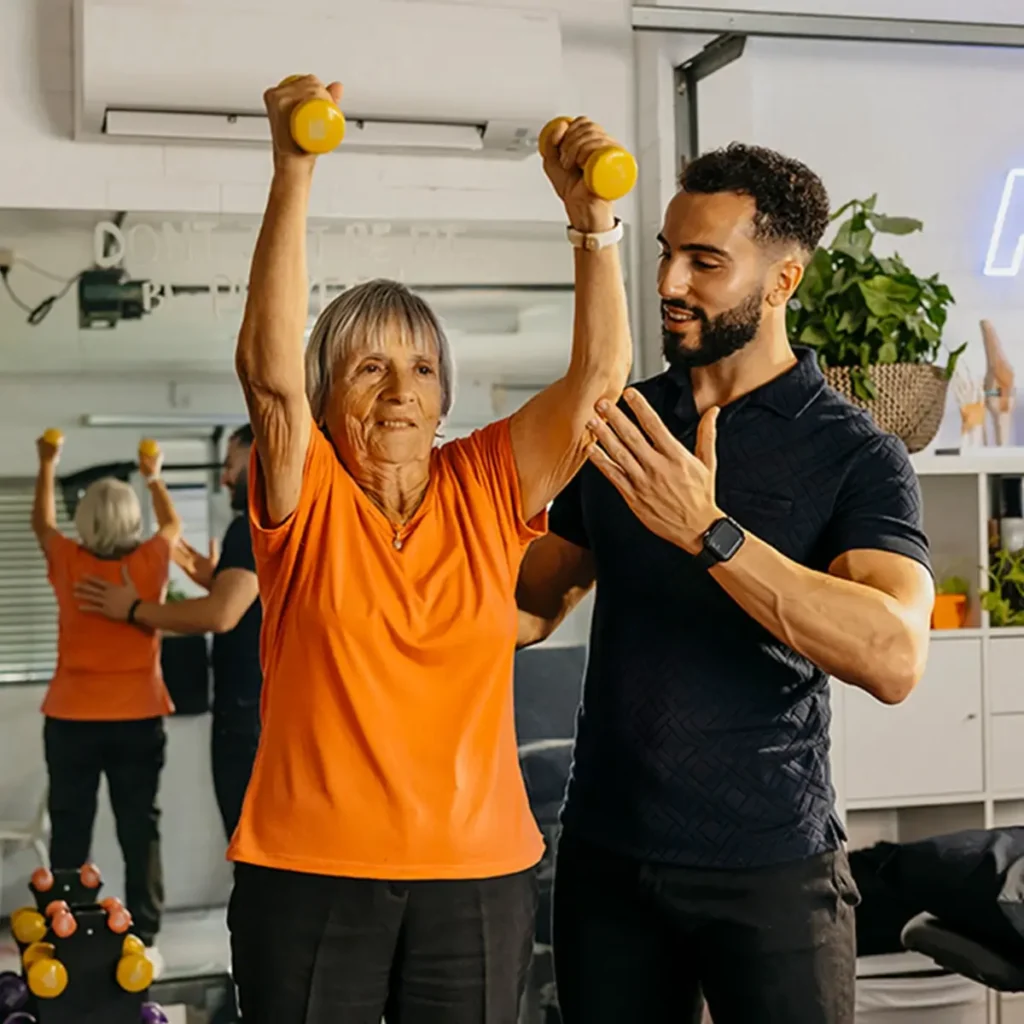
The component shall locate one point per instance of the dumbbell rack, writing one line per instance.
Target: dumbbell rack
(90, 955)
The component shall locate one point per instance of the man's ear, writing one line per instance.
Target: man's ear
(787, 275)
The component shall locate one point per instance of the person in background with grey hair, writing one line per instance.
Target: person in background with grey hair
(386, 823)
(106, 702)
(231, 611)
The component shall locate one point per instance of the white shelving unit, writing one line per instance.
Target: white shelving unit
(952, 755)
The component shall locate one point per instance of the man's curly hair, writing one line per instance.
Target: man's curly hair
(791, 200)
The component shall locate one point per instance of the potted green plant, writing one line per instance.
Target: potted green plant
(1004, 598)
(950, 609)
(877, 327)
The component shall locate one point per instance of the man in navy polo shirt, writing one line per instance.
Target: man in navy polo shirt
(751, 534)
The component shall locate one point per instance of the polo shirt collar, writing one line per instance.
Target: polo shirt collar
(787, 395)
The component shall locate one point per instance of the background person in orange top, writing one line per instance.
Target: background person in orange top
(106, 702)
(386, 851)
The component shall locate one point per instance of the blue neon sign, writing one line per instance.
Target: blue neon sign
(1009, 221)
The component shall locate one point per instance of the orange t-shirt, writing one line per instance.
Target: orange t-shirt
(388, 747)
(106, 670)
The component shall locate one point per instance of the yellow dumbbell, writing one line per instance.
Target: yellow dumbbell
(317, 125)
(134, 972)
(38, 951)
(29, 927)
(22, 910)
(610, 173)
(53, 436)
(148, 448)
(133, 945)
(47, 978)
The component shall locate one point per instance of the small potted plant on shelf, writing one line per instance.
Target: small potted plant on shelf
(876, 325)
(1004, 599)
(950, 609)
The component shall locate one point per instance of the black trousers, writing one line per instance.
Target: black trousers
(232, 753)
(639, 942)
(308, 949)
(131, 755)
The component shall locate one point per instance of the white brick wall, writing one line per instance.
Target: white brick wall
(43, 167)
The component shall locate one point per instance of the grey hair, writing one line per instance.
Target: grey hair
(361, 317)
(109, 518)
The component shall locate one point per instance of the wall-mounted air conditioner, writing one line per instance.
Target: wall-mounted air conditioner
(450, 78)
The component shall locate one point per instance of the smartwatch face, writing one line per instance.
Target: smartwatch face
(725, 538)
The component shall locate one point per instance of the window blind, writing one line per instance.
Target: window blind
(28, 610)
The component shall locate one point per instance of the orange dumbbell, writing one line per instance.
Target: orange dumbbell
(89, 876)
(42, 879)
(119, 920)
(610, 173)
(317, 125)
(64, 924)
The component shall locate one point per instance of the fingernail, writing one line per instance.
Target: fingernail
(592, 424)
(604, 405)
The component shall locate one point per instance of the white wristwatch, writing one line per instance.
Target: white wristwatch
(593, 242)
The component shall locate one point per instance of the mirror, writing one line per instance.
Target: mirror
(120, 325)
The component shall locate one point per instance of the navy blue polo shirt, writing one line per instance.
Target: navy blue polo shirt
(702, 740)
(237, 675)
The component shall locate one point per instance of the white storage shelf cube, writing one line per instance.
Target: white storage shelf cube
(928, 746)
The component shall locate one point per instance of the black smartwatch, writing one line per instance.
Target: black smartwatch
(721, 540)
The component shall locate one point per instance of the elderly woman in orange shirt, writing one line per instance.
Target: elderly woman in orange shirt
(106, 703)
(386, 851)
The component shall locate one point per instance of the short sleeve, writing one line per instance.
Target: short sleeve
(317, 468)
(879, 506)
(150, 566)
(59, 552)
(237, 550)
(566, 515)
(486, 457)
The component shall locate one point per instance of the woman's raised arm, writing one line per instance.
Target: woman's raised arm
(549, 434)
(269, 353)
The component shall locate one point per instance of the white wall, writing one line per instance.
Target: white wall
(44, 168)
(934, 131)
(998, 11)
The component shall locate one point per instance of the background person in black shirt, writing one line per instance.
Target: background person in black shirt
(231, 611)
(751, 533)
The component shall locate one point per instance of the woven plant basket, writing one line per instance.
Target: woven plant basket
(911, 399)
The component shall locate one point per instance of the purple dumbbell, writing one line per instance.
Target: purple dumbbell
(152, 1013)
(13, 994)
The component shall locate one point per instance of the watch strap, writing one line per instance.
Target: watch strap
(591, 242)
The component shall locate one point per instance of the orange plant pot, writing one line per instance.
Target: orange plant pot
(950, 611)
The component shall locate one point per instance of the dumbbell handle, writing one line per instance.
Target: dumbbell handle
(610, 173)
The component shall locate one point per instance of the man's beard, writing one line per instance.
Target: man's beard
(725, 334)
(240, 493)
